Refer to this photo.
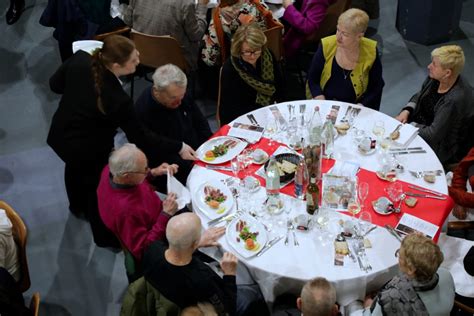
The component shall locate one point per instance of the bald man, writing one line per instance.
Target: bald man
(177, 273)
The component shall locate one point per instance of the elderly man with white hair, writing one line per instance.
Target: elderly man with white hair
(168, 110)
(178, 274)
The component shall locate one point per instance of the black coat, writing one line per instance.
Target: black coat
(79, 131)
(237, 97)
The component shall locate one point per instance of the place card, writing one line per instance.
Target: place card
(251, 133)
(409, 224)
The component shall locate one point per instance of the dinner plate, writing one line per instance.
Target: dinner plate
(88, 46)
(211, 143)
(258, 152)
(199, 200)
(290, 157)
(232, 235)
(380, 206)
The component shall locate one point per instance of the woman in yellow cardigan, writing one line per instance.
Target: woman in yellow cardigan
(346, 66)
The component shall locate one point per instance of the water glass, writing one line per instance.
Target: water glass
(378, 129)
(364, 223)
(394, 191)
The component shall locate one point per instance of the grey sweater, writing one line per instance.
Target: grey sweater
(443, 135)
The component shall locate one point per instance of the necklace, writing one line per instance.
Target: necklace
(346, 74)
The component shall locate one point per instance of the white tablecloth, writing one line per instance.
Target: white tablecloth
(286, 268)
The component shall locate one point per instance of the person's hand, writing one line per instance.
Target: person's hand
(170, 206)
(459, 212)
(245, 19)
(368, 301)
(403, 116)
(319, 97)
(287, 3)
(229, 264)
(163, 169)
(187, 153)
(210, 236)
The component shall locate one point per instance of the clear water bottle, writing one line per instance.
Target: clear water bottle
(301, 179)
(328, 136)
(315, 128)
(273, 187)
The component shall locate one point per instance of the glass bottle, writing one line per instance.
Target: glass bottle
(301, 179)
(312, 196)
(273, 186)
(315, 128)
(328, 136)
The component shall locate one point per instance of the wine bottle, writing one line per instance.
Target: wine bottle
(312, 196)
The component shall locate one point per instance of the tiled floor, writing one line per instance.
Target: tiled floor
(73, 276)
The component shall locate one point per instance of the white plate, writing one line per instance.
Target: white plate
(211, 143)
(88, 46)
(254, 226)
(366, 153)
(379, 210)
(200, 203)
(264, 155)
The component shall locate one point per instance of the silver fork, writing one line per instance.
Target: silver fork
(295, 241)
(362, 254)
(420, 174)
(288, 228)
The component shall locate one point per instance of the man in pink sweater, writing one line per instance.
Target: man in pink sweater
(129, 205)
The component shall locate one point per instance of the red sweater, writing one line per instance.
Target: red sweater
(133, 214)
(458, 190)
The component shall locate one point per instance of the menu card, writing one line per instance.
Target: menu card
(408, 133)
(409, 224)
(338, 191)
(251, 133)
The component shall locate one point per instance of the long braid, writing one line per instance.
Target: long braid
(98, 69)
(116, 50)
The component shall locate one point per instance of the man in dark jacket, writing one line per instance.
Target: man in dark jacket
(167, 109)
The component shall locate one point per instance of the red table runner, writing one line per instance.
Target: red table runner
(431, 210)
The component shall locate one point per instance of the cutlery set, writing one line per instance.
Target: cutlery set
(290, 227)
(421, 174)
(359, 250)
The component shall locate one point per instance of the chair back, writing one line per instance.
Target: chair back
(156, 51)
(125, 31)
(218, 118)
(329, 24)
(20, 233)
(275, 41)
(35, 304)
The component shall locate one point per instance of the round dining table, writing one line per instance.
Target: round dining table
(284, 268)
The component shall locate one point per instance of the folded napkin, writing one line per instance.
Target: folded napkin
(182, 193)
(408, 133)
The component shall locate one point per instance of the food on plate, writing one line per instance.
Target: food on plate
(213, 197)
(342, 128)
(367, 243)
(286, 167)
(411, 201)
(249, 238)
(429, 177)
(395, 135)
(341, 247)
(219, 150)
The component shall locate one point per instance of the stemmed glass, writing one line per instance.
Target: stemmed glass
(378, 129)
(362, 192)
(395, 193)
(365, 222)
(271, 130)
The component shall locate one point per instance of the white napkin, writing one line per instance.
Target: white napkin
(182, 193)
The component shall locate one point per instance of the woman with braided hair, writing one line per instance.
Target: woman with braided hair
(92, 106)
(251, 78)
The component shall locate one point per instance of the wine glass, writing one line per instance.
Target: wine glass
(271, 129)
(395, 193)
(362, 192)
(365, 222)
(378, 129)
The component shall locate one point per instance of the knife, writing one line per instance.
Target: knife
(426, 196)
(405, 149)
(408, 152)
(224, 168)
(425, 190)
(393, 232)
(270, 244)
(371, 229)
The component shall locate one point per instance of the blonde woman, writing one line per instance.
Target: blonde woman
(439, 108)
(251, 78)
(346, 66)
(421, 288)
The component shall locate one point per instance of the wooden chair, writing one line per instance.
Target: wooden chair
(463, 307)
(19, 234)
(35, 303)
(156, 51)
(125, 31)
(461, 225)
(275, 41)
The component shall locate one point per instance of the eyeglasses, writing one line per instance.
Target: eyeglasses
(397, 253)
(251, 53)
(147, 170)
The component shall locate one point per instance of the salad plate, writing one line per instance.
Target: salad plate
(213, 199)
(220, 149)
(246, 236)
